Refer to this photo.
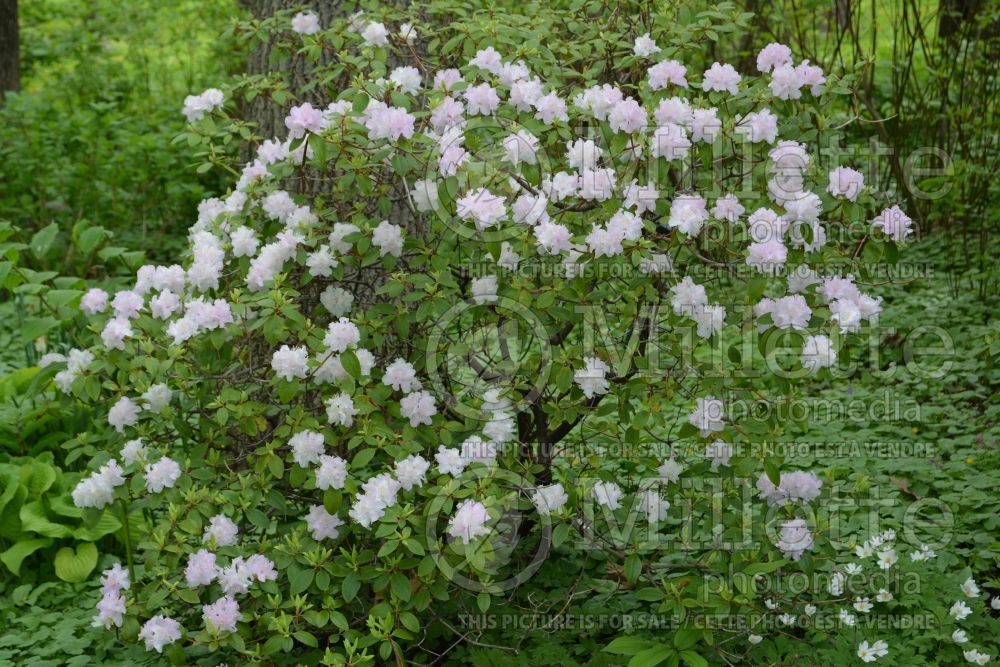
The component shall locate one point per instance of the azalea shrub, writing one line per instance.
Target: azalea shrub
(489, 313)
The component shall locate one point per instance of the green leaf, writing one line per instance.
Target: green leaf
(175, 654)
(332, 499)
(5, 268)
(649, 594)
(685, 638)
(633, 567)
(36, 327)
(107, 524)
(350, 362)
(559, 534)
(10, 521)
(38, 477)
(402, 326)
(76, 566)
(42, 240)
(35, 519)
(651, 656)
(299, 579)
(14, 556)
(773, 474)
(627, 646)
(90, 238)
(276, 466)
(753, 569)
(692, 659)
(10, 483)
(306, 638)
(755, 288)
(258, 518)
(276, 644)
(188, 595)
(350, 586)
(59, 298)
(401, 586)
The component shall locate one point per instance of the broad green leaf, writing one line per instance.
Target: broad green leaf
(5, 268)
(107, 524)
(350, 586)
(685, 638)
(627, 646)
(633, 567)
(753, 569)
(649, 594)
(35, 520)
(59, 298)
(351, 364)
(10, 519)
(299, 579)
(401, 586)
(692, 659)
(36, 327)
(773, 474)
(91, 238)
(42, 240)
(37, 477)
(76, 566)
(651, 656)
(14, 556)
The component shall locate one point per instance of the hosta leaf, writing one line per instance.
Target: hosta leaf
(37, 477)
(10, 518)
(75, 566)
(35, 520)
(107, 524)
(14, 556)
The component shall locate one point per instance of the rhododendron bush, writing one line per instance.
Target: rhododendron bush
(488, 309)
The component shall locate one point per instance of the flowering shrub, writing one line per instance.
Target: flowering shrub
(384, 384)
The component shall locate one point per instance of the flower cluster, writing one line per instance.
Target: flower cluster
(196, 106)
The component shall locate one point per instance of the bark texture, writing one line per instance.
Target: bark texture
(270, 118)
(10, 48)
(954, 14)
(269, 115)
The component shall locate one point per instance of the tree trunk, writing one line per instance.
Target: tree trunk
(10, 48)
(270, 116)
(955, 13)
(842, 11)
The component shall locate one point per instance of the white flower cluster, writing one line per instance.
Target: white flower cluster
(98, 489)
(787, 80)
(377, 495)
(690, 299)
(469, 521)
(196, 106)
(76, 361)
(233, 579)
(591, 379)
(111, 606)
(795, 538)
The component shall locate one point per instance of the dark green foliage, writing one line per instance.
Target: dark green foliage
(89, 136)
